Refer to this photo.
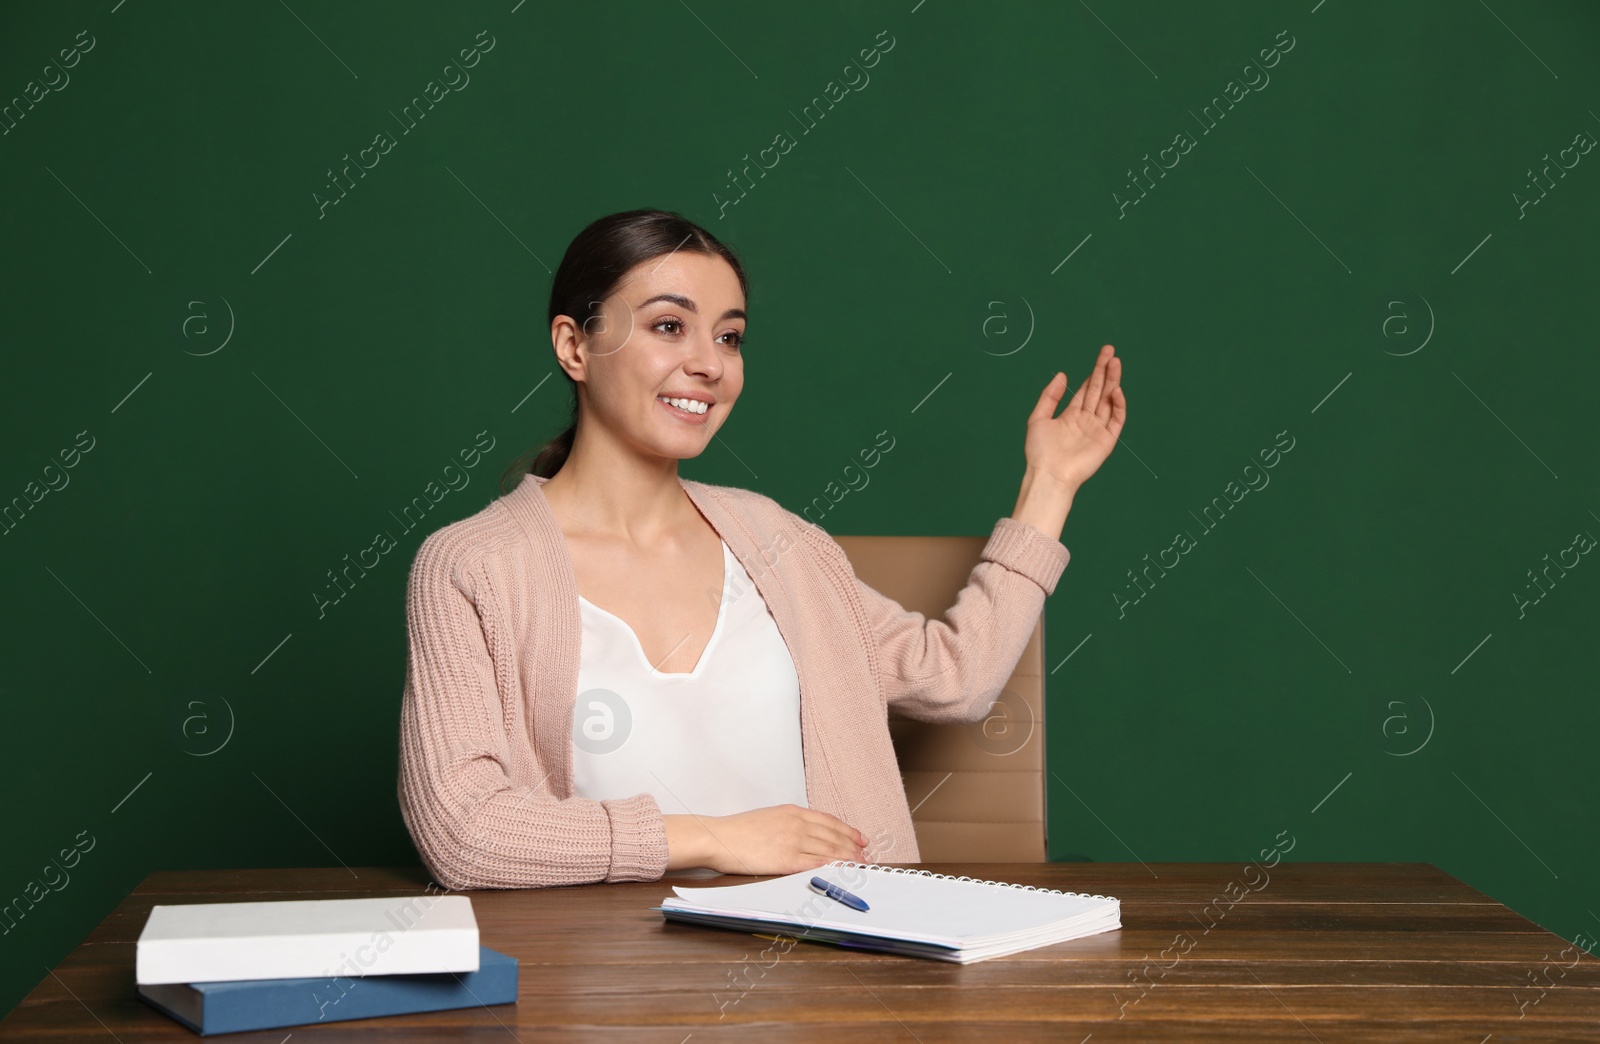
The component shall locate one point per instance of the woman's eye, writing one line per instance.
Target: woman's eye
(737, 342)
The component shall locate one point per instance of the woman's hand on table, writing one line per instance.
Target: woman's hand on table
(780, 839)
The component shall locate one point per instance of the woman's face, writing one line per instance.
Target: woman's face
(671, 329)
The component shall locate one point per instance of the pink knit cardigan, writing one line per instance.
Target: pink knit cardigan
(493, 631)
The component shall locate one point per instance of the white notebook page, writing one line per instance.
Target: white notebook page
(910, 906)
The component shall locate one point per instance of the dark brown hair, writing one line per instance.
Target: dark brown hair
(596, 260)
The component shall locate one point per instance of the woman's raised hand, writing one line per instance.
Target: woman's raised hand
(1070, 448)
(781, 839)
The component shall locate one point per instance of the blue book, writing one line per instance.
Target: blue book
(254, 1004)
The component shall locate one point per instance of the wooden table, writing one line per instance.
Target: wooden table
(1316, 952)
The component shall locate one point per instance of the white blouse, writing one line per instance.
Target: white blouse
(720, 739)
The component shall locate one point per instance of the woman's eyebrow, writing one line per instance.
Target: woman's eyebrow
(685, 303)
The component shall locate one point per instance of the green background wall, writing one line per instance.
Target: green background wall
(1344, 263)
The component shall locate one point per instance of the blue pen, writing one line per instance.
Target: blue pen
(833, 891)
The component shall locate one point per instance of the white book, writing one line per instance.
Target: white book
(305, 938)
(912, 912)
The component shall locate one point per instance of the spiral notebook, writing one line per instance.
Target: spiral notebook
(912, 912)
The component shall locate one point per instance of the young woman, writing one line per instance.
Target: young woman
(577, 708)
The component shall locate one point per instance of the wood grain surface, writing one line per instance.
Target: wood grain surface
(1318, 952)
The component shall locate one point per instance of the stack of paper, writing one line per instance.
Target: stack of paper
(225, 967)
(910, 912)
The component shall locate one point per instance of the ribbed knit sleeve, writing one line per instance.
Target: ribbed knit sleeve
(1026, 549)
(952, 670)
(473, 827)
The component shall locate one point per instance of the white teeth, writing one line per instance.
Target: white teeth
(687, 405)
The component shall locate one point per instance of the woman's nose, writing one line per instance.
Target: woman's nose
(704, 360)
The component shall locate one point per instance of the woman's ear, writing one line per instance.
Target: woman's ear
(570, 354)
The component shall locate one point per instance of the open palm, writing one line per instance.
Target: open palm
(1071, 447)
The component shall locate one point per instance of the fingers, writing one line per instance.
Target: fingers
(1119, 413)
(1097, 379)
(1045, 408)
(838, 834)
(1093, 396)
(1113, 384)
(834, 822)
(829, 847)
(834, 837)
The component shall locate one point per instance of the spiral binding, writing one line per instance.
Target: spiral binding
(911, 872)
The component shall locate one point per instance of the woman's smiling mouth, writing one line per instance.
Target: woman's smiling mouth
(689, 411)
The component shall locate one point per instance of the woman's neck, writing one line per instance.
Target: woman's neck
(632, 501)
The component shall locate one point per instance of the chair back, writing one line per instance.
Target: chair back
(977, 792)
